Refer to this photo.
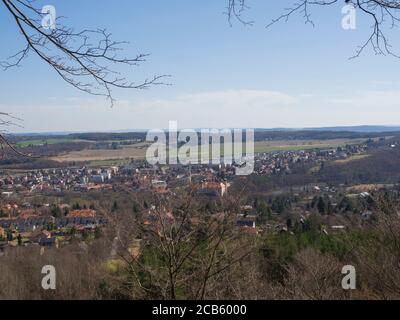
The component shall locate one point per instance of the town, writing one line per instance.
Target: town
(52, 224)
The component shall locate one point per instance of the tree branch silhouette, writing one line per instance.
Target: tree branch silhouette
(87, 60)
(384, 14)
(83, 59)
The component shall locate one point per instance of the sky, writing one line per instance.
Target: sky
(290, 75)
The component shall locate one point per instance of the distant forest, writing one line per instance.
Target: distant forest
(260, 135)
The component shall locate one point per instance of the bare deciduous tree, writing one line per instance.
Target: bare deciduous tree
(7, 120)
(383, 14)
(87, 59)
(81, 58)
(313, 276)
(182, 252)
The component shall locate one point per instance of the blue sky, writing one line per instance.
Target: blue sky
(291, 75)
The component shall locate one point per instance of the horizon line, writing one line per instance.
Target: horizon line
(324, 128)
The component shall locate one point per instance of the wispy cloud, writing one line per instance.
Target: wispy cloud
(369, 99)
(214, 109)
(217, 109)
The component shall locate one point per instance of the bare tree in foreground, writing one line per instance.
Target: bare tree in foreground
(84, 59)
(383, 14)
(7, 120)
(87, 59)
(183, 252)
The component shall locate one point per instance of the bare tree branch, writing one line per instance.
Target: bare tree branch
(384, 15)
(81, 58)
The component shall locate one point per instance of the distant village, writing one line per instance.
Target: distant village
(140, 176)
(24, 225)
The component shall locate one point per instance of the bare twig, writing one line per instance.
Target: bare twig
(72, 55)
(384, 15)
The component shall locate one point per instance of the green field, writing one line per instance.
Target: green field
(110, 162)
(105, 157)
(269, 149)
(297, 145)
(39, 142)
